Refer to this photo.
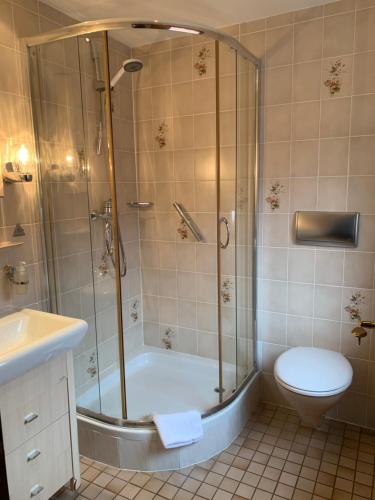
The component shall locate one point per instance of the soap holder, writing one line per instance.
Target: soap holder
(12, 174)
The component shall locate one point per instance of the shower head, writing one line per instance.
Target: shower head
(128, 66)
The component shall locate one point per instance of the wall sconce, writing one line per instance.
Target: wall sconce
(16, 171)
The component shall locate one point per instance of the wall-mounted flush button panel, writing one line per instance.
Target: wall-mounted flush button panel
(328, 229)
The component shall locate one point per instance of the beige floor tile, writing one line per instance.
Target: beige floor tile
(130, 491)
(106, 495)
(284, 491)
(154, 484)
(206, 491)
(103, 479)
(191, 485)
(168, 491)
(116, 485)
(274, 458)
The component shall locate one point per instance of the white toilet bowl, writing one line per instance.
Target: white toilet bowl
(312, 380)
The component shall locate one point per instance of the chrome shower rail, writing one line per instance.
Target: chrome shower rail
(88, 27)
(188, 221)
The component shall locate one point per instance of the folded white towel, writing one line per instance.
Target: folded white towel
(179, 429)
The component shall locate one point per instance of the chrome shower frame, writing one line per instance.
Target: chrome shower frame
(108, 25)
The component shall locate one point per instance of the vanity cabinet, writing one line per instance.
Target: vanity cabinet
(39, 430)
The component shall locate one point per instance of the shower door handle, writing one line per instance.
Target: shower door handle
(224, 220)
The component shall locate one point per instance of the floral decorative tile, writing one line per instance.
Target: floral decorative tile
(356, 300)
(183, 230)
(134, 310)
(201, 63)
(167, 338)
(92, 369)
(161, 136)
(273, 199)
(226, 290)
(334, 80)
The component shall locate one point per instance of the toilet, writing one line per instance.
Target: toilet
(312, 380)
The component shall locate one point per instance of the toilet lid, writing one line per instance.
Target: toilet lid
(313, 370)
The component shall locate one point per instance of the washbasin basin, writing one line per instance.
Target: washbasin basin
(29, 338)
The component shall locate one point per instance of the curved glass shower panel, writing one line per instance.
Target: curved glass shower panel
(60, 138)
(236, 215)
(102, 216)
(69, 110)
(227, 215)
(148, 156)
(245, 245)
(166, 181)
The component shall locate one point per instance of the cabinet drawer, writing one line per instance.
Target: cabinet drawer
(42, 465)
(25, 420)
(32, 384)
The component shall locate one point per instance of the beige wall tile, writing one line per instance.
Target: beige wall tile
(300, 299)
(329, 267)
(364, 73)
(305, 158)
(255, 42)
(308, 40)
(303, 193)
(307, 14)
(277, 123)
(340, 6)
(276, 159)
(306, 81)
(306, 120)
(299, 331)
(327, 302)
(279, 85)
(333, 157)
(182, 64)
(332, 194)
(361, 191)
(338, 34)
(362, 150)
(301, 265)
(365, 35)
(279, 46)
(326, 334)
(335, 118)
(363, 120)
(359, 269)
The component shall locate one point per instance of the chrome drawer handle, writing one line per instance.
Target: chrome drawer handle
(35, 490)
(30, 418)
(33, 455)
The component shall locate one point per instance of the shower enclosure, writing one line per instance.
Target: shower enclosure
(147, 146)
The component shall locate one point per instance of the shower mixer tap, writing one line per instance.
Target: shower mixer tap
(106, 216)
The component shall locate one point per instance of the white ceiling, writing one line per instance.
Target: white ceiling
(214, 13)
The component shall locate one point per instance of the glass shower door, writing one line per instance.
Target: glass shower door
(246, 111)
(69, 100)
(64, 184)
(236, 216)
(227, 216)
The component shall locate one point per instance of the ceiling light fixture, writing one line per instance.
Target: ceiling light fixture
(184, 30)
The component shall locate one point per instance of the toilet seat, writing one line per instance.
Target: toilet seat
(313, 372)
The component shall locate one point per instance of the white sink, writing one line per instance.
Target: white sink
(29, 338)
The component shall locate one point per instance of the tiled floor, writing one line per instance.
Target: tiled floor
(274, 457)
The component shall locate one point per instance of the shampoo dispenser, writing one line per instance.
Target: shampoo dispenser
(18, 276)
